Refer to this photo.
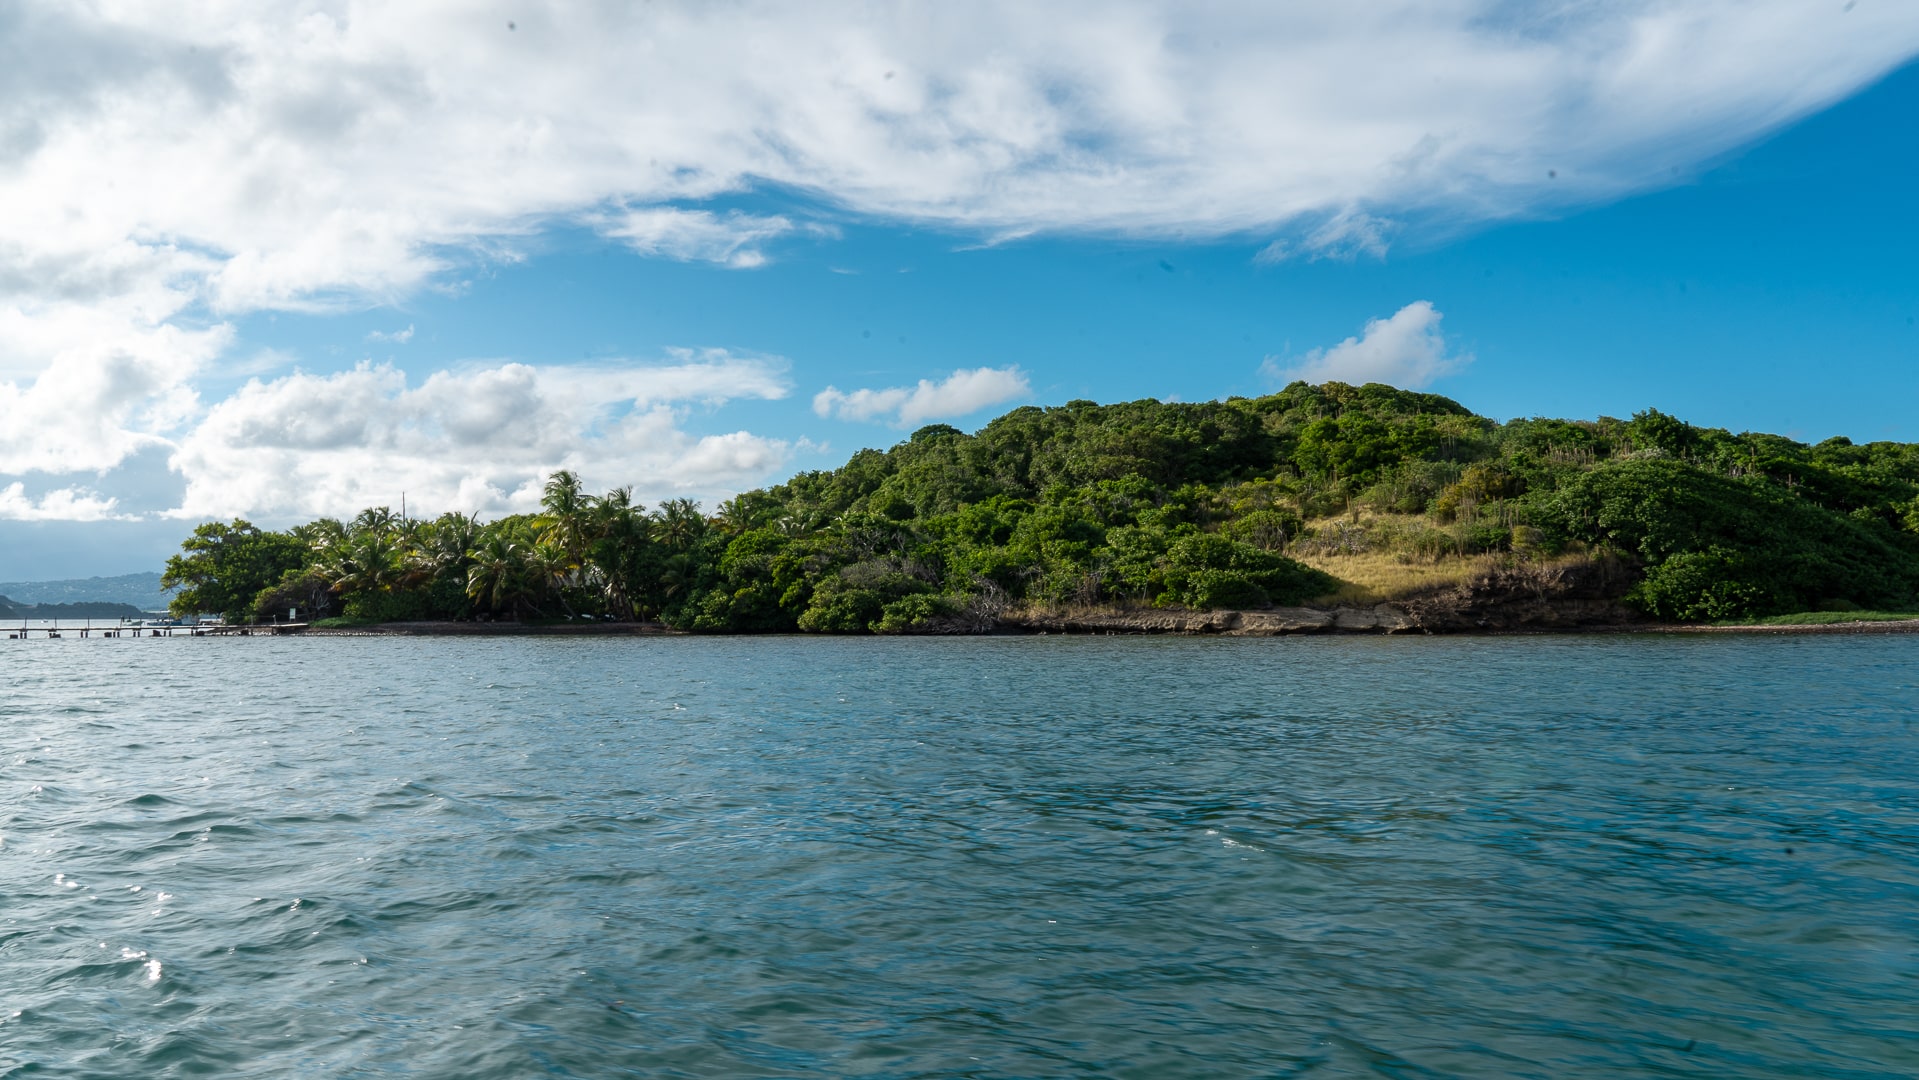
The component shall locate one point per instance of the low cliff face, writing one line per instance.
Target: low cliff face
(1530, 595)
(1521, 596)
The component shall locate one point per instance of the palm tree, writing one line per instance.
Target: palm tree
(554, 567)
(568, 509)
(621, 531)
(679, 576)
(498, 575)
(369, 561)
(445, 541)
(734, 516)
(563, 495)
(377, 519)
(680, 524)
(617, 501)
(322, 534)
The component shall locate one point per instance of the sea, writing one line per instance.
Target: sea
(1558, 857)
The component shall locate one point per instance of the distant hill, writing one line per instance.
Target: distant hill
(10, 609)
(141, 591)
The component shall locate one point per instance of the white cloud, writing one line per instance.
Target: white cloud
(1345, 236)
(287, 154)
(62, 504)
(965, 391)
(474, 440)
(170, 167)
(1406, 350)
(396, 337)
(736, 240)
(108, 378)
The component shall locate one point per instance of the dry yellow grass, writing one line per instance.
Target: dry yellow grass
(1374, 577)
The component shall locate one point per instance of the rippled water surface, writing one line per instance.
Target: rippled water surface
(1550, 857)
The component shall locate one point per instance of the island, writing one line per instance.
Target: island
(1317, 508)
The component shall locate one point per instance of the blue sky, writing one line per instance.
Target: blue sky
(667, 310)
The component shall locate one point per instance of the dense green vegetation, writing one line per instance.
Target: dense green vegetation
(1205, 505)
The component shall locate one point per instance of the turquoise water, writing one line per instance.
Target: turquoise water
(1129, 857)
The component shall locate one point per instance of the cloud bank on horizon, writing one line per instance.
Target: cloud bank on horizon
(169, 169)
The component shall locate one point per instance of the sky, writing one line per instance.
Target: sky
(280, 260)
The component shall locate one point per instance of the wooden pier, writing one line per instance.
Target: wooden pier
(107, 630)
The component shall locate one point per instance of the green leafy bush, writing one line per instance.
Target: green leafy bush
(850, 611)
(1704, 585)
(1207, 570)
(910, 613)
(1734, 547)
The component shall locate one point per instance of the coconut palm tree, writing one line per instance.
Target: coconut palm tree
(499, 575)
(734, 516)
(374, 519)
(321, 535)
(444, 542)
(567, 512)
(680, 524)
(550, 563)
(369, 561)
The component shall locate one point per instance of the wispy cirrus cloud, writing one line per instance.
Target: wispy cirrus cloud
(737, 240)
(963, 392)
(1345, 236)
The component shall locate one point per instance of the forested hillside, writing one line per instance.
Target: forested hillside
(1241, 503)
(138, 590)
(13, 609)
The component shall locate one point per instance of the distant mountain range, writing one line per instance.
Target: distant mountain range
(64, 612)
(138, 590)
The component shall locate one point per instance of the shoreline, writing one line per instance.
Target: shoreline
(1888, 626)
(1288, 622)
(494, 629)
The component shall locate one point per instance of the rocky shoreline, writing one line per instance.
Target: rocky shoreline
(493, 629)
(1391, 619)
(1583, 596)
(1272, 622)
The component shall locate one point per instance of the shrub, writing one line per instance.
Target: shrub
(1268, 530)
(1208, 589)
(386, 606)
(1207, 570)
(912, 613)
(1703, 586)
(850, 611)
(1721, 547)
(1484, 536)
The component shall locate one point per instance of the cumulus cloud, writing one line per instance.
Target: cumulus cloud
(395, 337)
(62, 504)
(1406, 350)
(108, 378)
(475, 440)
(965, 391)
